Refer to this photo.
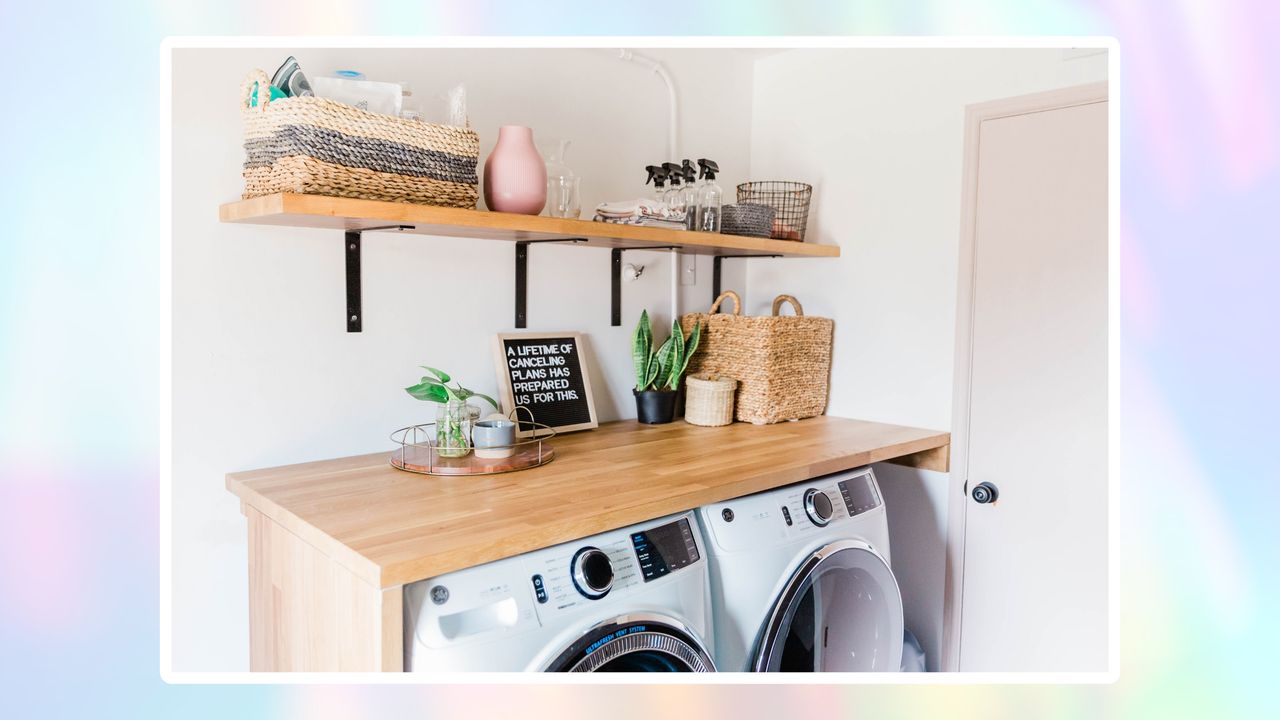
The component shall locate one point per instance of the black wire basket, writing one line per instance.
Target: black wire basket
(790, 201)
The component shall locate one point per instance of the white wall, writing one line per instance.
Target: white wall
(264, 371)
(879, 133)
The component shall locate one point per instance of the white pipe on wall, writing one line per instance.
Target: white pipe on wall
(675, 283)
(673, 100)
(673, 147)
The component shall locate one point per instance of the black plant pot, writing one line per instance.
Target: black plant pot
(654, 407)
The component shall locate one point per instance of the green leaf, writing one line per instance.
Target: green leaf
(677, 355)
(641, 346)
(486, 398)
(666, 359)
(642, 371)
(691, 347)
(651, 373)
(428, 391)
(648, 327)
(441, 375)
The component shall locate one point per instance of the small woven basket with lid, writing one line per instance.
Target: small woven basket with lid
(709, 400)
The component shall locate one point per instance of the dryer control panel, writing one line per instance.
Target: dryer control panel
(821, 505)
(827, 501)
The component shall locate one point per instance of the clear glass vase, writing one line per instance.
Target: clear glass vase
(453, 429)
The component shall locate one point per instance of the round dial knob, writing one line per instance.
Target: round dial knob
(818, 506)
(592, 572)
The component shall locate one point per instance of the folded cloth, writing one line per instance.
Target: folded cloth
(640, 208)
(644, 221)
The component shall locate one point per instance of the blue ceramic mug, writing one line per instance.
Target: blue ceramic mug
(494, 437)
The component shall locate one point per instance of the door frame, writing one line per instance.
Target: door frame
(975, 115)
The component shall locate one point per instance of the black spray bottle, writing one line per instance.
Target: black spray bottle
(692, 193)
(658, 177)
(710, 198)
(676, 198)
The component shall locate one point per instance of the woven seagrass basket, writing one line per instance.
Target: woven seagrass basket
(782, 363)
(318, 146)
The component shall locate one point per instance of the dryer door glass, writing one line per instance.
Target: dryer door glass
(635, 643)
(841, 612)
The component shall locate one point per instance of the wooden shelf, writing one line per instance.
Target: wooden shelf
(345, 214)
(353, 217)
(389, 527)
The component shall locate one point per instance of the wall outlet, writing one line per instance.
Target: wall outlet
(688, 269)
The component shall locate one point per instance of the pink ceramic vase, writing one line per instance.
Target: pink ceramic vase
(515, 177)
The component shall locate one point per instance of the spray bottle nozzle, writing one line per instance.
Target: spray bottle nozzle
(657, 175)
(709, 168)
(673, 172)
(687, 169)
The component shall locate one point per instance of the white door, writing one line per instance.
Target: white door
(1032, 412)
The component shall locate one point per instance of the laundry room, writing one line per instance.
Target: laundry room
(665, 358)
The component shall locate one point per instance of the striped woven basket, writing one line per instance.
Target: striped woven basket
(318, 146)
(782, 364)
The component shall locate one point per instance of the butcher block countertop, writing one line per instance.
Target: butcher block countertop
(391, 527)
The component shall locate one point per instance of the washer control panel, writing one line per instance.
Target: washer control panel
(604, 567)
(579, 574)
(665, 548)
(592, 572)
(817, 505)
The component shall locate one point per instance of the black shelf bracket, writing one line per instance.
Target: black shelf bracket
(715, 271)
(615, 295)
(351, 248)
(355, 312)
(522, 276)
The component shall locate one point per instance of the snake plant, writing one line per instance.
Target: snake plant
(663, 368)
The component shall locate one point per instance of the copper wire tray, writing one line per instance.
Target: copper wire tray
(418, 453)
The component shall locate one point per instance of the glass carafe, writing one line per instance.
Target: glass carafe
(562, 197)
(562, 183)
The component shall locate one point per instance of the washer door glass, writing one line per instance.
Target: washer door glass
(841, 612)
(635, 643)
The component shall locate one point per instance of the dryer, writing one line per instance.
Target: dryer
(800, 578)
(631, 600)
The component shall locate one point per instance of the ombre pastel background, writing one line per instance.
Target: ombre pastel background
(80, 356)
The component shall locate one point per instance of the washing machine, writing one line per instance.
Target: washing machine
(800, 578)
(632, 600)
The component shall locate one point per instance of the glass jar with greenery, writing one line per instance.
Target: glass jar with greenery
(454, 417)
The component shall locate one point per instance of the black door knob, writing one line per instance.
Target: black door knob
(985, 493)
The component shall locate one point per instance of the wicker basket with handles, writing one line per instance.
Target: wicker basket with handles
(782, 363)
(318, 146)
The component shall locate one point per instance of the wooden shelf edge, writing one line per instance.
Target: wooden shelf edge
(318, 211)
(937, 459)
(359, 565)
